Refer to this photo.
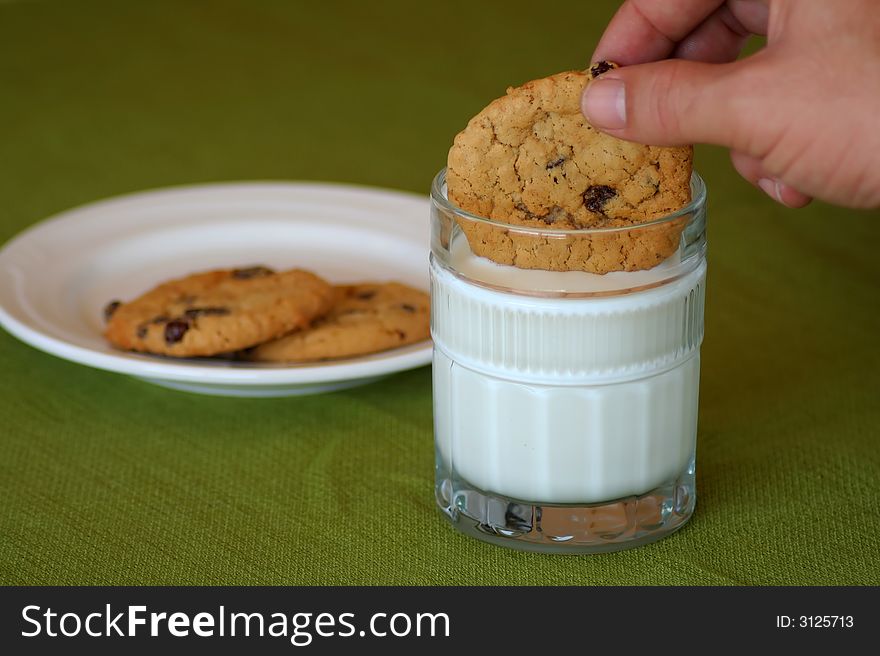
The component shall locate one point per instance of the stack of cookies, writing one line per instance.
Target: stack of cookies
(569, 192)
(258, 314)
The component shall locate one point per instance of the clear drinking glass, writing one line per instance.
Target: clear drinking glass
(565, 402)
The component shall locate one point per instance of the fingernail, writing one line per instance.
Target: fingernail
(604, 104)
(772, 188)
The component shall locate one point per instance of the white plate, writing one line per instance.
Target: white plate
(58, 275)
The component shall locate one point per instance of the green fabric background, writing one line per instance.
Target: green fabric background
(107, 480)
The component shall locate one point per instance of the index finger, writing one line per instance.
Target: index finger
(647, 30)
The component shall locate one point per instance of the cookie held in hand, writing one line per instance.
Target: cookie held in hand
(531, 159)
(367, 318)
(216, 312)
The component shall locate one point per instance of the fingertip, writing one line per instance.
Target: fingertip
(770, 187)
(667, 103)
(783, 194)
(603, 104)
(793, 198)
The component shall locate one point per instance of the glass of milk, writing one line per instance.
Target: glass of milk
(565, 402)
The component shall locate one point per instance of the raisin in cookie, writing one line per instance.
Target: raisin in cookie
(216, 312)
(366, 318)
(531, 159)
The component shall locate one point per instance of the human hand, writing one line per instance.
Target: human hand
(801, 117)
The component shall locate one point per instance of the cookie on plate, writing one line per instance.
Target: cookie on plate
(366, 318)
(531, 159)
(215, 312)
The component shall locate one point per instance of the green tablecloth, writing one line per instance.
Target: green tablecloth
(108, 480)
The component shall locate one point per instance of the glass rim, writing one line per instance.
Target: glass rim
(697, 203)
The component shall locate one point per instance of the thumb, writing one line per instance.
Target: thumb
(670, 103)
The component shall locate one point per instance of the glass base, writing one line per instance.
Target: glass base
(568, 528)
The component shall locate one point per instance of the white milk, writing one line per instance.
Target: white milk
(564, 400)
